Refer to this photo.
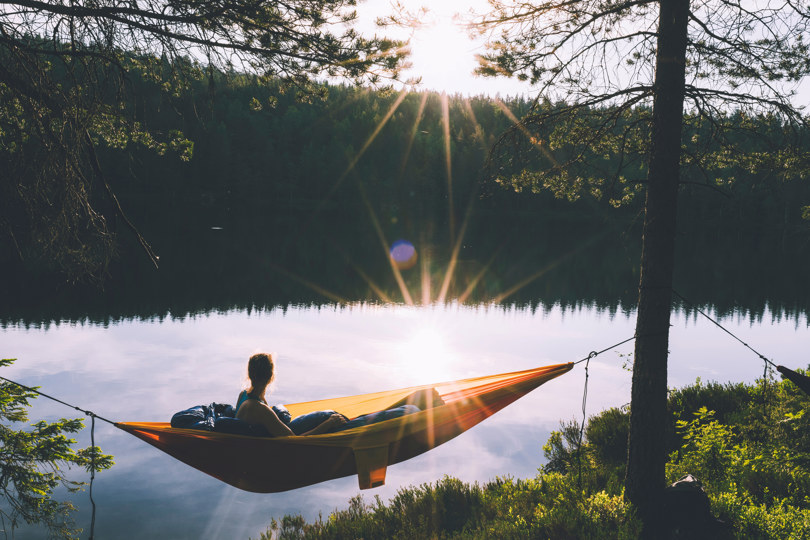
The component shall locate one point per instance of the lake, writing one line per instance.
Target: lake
(276, 238)
(501, 291)
(146, 368)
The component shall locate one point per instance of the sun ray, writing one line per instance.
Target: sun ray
(478, 277)
(479, 132)
(315, 287)
(426, 282)
(550, 266)
(406, 295)
(398, 276)
(416, 123)
(370, 282)
(448, 166)
(376, 132)
(403, 93)
(451, 267)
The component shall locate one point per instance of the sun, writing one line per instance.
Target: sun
(442, 53)
(426, 355)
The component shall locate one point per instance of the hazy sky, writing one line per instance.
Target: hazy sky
(441, 51)
(444, 55)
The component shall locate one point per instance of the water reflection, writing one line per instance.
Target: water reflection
(145, 370)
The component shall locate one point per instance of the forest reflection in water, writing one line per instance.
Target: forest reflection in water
(519, 259)
(145, 369)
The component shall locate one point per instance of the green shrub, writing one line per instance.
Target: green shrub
(752, 454)
(707, 452)
(562, 448)
(568, 512)
(753, 521)
(607, 435)
(33, 465)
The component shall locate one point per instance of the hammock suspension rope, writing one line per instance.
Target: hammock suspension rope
(768, 362)
(93, 417)
(584, 419)
(587, 360)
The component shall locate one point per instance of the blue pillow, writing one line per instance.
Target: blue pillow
(199, 417)
(216, 417)
(282, 413)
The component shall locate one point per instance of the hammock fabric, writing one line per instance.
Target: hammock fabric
(802, 381)
(268, 465)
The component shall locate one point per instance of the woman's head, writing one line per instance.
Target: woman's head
(261, 370)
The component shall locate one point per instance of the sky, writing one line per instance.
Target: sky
(442, 53)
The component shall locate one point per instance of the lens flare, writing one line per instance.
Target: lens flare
(403, 254)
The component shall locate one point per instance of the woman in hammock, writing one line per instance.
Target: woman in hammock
(252, 406)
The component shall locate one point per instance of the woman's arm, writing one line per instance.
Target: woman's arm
(256, 412)
(330, 424)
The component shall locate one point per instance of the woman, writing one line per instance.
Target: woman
(252, 406)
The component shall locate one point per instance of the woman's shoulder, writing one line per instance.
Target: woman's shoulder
(248, 408)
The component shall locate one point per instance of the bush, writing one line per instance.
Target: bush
(550, 506)
(607, 435)
(759, 521)
(752, 457)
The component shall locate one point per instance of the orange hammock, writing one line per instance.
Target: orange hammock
(268, 465)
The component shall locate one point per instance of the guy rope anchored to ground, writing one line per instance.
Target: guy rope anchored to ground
(802, 381)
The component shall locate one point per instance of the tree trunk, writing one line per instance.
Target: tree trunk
(648, 406)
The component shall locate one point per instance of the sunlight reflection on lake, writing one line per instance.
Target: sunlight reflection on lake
(145, 370)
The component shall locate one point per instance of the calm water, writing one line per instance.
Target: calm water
(146, 369)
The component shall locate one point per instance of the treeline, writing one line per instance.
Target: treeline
(256, 145)
(288, 201)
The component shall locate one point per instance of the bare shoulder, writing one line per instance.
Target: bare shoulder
(254, 411)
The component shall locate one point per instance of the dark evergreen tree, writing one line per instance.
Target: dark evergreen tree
(67, 72)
